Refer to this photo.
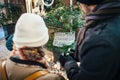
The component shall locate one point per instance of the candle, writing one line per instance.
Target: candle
(71, 2)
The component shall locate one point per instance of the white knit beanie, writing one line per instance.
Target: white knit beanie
(30, 31)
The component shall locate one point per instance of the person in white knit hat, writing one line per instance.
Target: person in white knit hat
(27, 60)
(30, 31)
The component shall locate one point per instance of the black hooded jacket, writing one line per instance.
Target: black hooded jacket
(98, 46)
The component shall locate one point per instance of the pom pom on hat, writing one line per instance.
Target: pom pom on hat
(30, 31)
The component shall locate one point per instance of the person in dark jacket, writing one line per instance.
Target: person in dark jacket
(9, 43)
(98, 43)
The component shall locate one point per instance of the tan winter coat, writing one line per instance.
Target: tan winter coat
(20, 72)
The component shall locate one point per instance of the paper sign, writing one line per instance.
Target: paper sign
(63, 38)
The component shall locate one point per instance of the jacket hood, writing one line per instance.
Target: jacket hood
(104, 11)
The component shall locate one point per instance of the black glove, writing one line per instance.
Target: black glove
(71, 52)
(64, 59)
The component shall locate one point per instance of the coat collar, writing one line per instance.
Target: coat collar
(26, 62)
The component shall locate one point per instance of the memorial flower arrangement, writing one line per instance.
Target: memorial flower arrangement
(62, 19)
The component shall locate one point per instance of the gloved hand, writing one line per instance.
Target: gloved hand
(71, 52)
(64, 59)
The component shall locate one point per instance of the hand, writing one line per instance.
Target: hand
(71, 52)
(64, 59)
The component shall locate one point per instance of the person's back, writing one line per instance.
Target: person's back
(18, 69)
(100, 50)
(27, 60)
(98, 43)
